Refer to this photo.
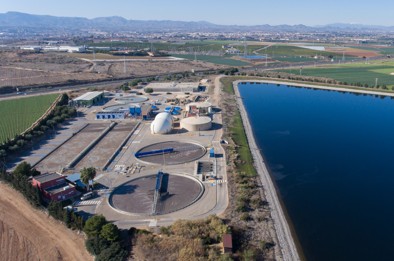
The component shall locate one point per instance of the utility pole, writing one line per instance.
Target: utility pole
(266, 60)
(376, 82)
(124, 65)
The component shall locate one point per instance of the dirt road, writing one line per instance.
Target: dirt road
(29, 234)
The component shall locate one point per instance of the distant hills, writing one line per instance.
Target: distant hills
(116, 23)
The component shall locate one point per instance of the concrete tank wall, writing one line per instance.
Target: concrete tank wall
(196, 124)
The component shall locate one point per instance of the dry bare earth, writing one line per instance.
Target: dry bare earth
(151, 68)
(26, 68)
(29, 234)
(353, 52)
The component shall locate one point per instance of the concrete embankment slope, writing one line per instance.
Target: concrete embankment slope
(285, 238)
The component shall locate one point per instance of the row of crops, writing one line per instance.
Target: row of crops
(19, 114)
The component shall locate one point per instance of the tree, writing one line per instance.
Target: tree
(148, 90)
(94, 225)
(3, 154)
(51, 123)
(110, 232)
(113, 253)
(55, 209)
(88, 174)
(23, 169)
(95, 245)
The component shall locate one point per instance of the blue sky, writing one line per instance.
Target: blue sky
(242, 12)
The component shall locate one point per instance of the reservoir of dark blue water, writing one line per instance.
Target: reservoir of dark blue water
(331, 155)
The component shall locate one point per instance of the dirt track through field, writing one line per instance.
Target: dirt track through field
(29, 234)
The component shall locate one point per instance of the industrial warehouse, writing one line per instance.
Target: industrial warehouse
(156, 143)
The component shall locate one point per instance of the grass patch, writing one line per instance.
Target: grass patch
(245, 160)
(239, 136)
(353, 73)
(20, 114)
(290, 53)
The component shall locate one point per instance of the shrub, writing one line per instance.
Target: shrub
(95, 245)
(94, 225)
(148, 90)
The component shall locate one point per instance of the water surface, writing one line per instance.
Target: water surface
(331, 155)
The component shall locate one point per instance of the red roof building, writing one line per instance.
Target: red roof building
(227, 243)
(54, 187)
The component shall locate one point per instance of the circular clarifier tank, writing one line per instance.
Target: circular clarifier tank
(171, 153)
(143, 196)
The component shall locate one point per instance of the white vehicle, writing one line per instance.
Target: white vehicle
(87, 196)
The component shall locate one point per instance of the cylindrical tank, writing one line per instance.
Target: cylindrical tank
(196, 123)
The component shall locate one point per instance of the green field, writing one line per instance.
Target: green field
(354, 73)
(213, 59)
(288, 53)
(20, 114)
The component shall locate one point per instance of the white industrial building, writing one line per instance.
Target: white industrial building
(31, 48)
(196, 123)
(51, 48)
(175, 86)
(63, 48)
(162, 123)
(200, 108)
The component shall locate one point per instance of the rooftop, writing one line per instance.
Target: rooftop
(197, 120)
(227, 241)
(88, 96)
(47, 177)
(181, 85)
(58, 188)
(110, 112)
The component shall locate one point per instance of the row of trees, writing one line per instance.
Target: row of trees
(66, 215)
(103, 237)
(59, 114)
(104, 240)
(19, 179)
(231, 71)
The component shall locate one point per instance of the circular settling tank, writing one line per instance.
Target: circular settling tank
(119, 107)
(171, 153)
(140, 196)
(131, 99)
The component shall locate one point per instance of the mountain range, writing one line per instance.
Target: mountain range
(116, 23)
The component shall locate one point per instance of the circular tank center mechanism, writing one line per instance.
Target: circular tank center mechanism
(158, 194)
(170, 153)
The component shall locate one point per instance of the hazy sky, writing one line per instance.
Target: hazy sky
(244, 12)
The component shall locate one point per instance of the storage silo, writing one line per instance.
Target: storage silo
(196, 123)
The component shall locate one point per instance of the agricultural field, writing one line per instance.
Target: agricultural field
(185, 46)
(354, 73)
(213, 59)
(288, 53)
(20, 114)
(387, 50)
